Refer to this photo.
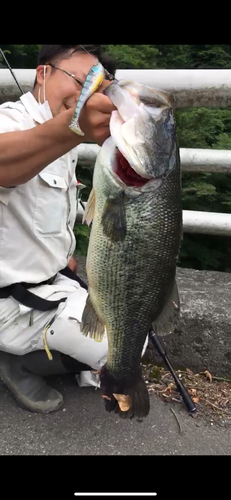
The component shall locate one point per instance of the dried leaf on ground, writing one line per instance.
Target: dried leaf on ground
(213, 397)
(208, 375)
(192, 392)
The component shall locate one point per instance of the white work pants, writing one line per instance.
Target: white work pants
(21, 328)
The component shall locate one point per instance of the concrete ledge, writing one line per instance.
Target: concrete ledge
(202, 340)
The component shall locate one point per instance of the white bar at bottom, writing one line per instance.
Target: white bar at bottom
(116, 494)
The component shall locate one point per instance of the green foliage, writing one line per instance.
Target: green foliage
(82, 233)
(174, 56)
(134, 56)
(203, 127)
(210, 56)
(85, 174)
(206, 252)
(223, 141)
(20, 56)
(171, 56)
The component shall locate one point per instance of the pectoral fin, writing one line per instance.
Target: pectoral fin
(91, 324)
(114, 218)
(89, 209)
(169, 317)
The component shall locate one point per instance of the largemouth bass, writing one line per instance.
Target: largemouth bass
(135, 206)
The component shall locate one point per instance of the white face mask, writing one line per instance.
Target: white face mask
(44, 108)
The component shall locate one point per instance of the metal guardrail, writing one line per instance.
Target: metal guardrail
(191, 88)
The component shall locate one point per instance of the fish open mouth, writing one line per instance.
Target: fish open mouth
(126, 173)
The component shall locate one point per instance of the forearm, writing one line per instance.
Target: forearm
(23, 154)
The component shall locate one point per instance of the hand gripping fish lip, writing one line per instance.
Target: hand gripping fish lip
(93, 81)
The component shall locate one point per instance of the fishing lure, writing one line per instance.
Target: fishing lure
(93, 81)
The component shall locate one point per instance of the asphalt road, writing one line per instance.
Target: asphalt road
(83, 427)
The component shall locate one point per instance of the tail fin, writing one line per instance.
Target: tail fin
(74, 126)
(127, 401)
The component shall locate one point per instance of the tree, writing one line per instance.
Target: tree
(134, 56)
(20, 56)
(174, 57)
(210, 56)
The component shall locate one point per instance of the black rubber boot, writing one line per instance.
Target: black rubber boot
(30, 390)
(37, 362)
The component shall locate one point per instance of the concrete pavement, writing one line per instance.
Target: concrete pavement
(83, 427)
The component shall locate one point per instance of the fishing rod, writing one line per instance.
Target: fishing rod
(180, 386)
(9, 67)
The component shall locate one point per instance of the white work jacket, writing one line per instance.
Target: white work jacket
(36, 218)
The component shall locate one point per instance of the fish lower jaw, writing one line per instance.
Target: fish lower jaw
(126, 173)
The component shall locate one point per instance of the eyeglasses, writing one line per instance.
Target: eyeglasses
(67, 73)
(108, 76)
